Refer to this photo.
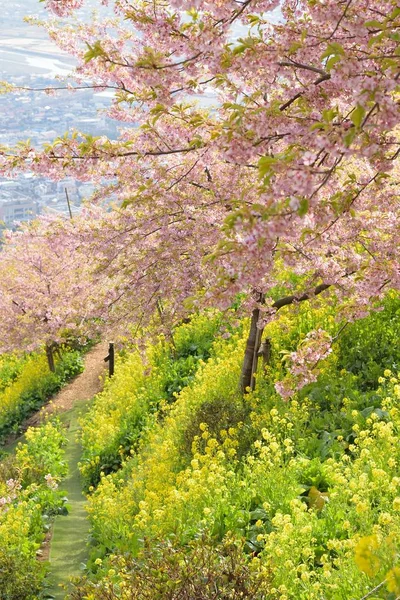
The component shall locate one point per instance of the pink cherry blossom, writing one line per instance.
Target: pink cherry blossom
(290, 165)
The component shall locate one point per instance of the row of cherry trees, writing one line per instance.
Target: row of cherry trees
(292, 168)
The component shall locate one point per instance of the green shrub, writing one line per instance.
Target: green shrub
(42, 453)
(10, 368)
(370, 345)
(21, 574)
(219, 414)
(201, 570)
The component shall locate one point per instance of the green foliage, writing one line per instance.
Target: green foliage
(298, 519)
(69, 366)
(197, 571)
(42, 453)
(115, 419)
(370, 345)
(192, 342)
(10, 368)
(20, 574)
(143, 491)
(219, 415)
(33, 386)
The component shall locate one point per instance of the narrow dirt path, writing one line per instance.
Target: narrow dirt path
(83, 387)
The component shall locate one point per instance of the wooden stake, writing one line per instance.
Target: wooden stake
(110, 359)
(68, 202)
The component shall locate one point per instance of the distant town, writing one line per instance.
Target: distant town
(28, 59)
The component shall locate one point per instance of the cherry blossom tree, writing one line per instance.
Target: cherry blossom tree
(44, 292)
(258, 136)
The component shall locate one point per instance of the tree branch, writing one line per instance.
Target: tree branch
(124, 154)
(292, 63)
(286, 300)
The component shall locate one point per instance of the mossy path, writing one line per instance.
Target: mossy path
(68, 545)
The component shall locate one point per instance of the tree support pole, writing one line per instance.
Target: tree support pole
(247, 379)
(110, 358)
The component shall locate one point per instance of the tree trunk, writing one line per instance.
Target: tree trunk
(256, 354)
(250, 361)
(265, 350)
(50, 358)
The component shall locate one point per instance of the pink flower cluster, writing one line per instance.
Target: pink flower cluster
(62, 8)
(51, 482)
(303, 367)
(13, 488)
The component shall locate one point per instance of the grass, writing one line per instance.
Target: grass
(68, 548)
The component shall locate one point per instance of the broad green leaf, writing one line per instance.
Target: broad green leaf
(358, 115)
(333, 49)
(264, 165)
(375, 24)
(94, 51)
(349, 137)
(303, 208)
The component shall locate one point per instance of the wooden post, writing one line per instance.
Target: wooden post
(265, 351)
(110, 359)
(249, 367)
(69, 204)
(254, 365)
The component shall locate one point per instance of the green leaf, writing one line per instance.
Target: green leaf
(349, 137)
(94, 51)
(376, 39)
(253, 19)
(264, 165)
(332, 62)
(317, 126)
(259, 514)
(333, 53)
(395, 12)
(357, 116)
(303, 208)
(333, 49)
(329, 114)
(375, 24)
(395, 36)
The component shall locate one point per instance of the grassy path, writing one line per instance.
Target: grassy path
(68, 547)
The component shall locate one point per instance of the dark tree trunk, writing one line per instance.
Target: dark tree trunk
(256, 354)
(254, 347)
(50, 358)
(265, 351)
(250, 361)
